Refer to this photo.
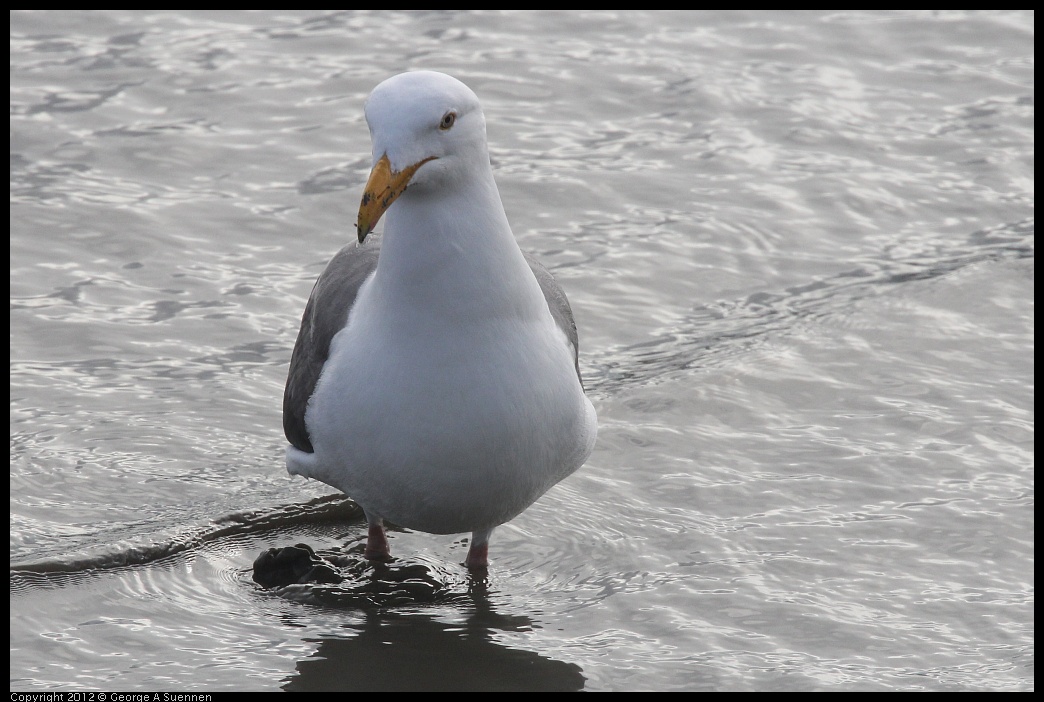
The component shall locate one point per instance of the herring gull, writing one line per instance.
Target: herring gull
(435, 379)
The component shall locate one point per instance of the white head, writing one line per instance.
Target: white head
(427, 128)
(413, 116)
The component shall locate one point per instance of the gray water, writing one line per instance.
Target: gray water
(799, 248)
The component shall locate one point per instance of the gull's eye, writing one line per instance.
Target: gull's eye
(448, 120)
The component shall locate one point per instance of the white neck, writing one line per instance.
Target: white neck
(438, 262)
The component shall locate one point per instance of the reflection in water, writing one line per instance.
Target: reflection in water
(415, 651)
(406, 650)
(396, 650)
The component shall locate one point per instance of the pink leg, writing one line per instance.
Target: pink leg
(478, 552)
(377, 548)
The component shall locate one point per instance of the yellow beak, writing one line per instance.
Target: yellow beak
(382, 189)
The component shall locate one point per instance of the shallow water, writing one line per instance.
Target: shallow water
(799, 248)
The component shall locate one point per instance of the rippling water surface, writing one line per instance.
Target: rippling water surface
(799, 247)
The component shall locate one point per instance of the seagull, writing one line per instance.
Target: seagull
(436, 377)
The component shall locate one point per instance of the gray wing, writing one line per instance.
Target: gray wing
(559, 306)
(325, 314)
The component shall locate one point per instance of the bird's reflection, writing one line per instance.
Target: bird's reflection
(401, 647)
